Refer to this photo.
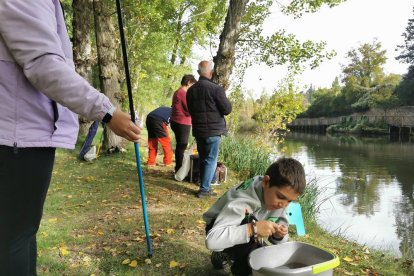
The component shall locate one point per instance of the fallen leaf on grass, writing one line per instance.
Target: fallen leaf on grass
(134, 263)
(348, 273)
(138, 239)
(173, 264)
(52, 220)
(347, 259)
(89, 178)
(155, 235)
(170, 231)
(200, 221)
(86, 261)
(63, 251)
(126, 261)
(148, 261)
(369, 272)
(158, 265)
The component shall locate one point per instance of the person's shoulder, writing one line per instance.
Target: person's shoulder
(215, 86)
(181, 92)
(176, 93)
(248, 184)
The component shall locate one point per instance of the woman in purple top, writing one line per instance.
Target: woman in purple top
(180, 119)
(40, 92)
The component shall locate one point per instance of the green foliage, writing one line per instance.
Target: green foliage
(279, 109)
(366, 85)
(240, 119)
(407, 50)
(237, 100)
(365, 68)
(322, 103)
(298, 7)
(160, 37)
(278, 48)
(405, 90)
(67, 11)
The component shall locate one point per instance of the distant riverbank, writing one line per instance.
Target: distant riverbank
(374, 121)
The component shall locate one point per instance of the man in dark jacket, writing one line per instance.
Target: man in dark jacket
(207, 104)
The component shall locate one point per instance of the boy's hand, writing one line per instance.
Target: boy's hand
(265, 228)
(281, 230)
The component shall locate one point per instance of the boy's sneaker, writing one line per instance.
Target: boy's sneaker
(202, 194)
(220, 260)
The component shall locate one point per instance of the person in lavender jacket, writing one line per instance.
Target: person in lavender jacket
(40, 92)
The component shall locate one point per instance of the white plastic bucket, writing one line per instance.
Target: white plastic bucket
(292, 258)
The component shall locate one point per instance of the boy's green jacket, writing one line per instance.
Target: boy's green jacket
(230, 210)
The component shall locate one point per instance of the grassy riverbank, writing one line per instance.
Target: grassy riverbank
(93, 224)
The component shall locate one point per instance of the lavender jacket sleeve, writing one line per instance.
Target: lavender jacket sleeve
(32, 32)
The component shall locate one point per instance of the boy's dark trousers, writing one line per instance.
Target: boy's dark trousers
(25, 175)
(240, 253)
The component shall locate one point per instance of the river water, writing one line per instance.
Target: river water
(368, 184)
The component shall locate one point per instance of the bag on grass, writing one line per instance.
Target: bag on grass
(90, 154)
(185, 167)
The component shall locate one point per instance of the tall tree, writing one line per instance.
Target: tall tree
(161, 37)
(365, 66)
(242, 39)
(405, 90)
(82, 25)
(108, 68)
(364, 71)
(407, 50)
(224, 60)
(191, 22)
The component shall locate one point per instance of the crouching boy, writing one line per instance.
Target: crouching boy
(252, 212)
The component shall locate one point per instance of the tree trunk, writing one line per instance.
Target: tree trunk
(82, 50)
(224, 60)
(108, 69)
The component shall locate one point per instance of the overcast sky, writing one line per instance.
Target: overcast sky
(343, 27)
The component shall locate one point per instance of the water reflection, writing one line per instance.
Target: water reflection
(369, 182)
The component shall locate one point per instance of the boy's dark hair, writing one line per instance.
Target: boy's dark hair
(188, 79)
(287, 172)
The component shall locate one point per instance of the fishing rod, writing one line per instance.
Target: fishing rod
(132, 112)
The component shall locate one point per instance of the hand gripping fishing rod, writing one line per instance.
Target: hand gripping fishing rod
(132, 111)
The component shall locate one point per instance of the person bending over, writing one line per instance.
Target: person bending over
(251, 213)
